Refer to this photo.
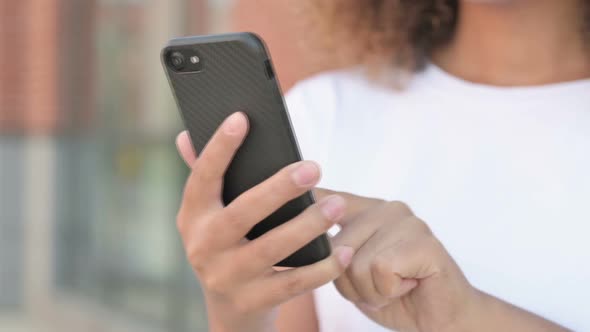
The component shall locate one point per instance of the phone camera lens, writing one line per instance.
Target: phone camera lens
(177, 60)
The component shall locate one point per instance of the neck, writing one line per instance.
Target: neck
(517, 43)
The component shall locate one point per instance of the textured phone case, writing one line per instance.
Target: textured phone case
(237, 76)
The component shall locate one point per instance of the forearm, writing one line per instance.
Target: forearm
(220, 326)
(492, 314)
(223, 319)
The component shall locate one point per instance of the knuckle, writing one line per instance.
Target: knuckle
(195, 255)
(198, 249)
(188, 194)
(420, 226)
(194, 197)
(231, 218)
(241, 306)
(245, 305)
(294, 285)
(350, 296)
(381, 266)
(273, 191)
(203, 173)
(399, 208)
(433, 245)
(282, 185)
(186, 217)
(265, 251)
(181, 220)
(344, 286)
(355, 272)
(213, 282)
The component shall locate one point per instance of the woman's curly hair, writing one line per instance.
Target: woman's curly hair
(399, 33)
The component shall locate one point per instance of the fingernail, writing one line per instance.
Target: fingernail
(306, 174)
(332, 207)
(344, 255)
(234, 124)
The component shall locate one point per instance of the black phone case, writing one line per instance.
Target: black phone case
(237, 75)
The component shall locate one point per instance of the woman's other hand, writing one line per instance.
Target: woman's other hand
(401, 276)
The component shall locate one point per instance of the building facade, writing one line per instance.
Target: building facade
(89, 178)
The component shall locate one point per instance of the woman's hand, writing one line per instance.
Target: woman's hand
(241, 288)
(403, 278)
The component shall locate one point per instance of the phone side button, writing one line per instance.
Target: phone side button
(270, 74)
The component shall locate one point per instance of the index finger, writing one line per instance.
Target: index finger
(356, 205)
(208, 170)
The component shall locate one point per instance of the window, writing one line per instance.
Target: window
(120, 180)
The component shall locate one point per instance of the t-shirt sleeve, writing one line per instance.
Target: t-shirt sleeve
(311, 105)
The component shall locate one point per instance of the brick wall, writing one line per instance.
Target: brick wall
(12, 83)
(28, 70)
(46, 76)
(45, 64)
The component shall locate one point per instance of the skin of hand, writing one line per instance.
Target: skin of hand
(241, 288)
(401, 276)
(387, 261)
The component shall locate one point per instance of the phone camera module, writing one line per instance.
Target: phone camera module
(177, 60)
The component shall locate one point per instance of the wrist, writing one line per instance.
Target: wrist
(223, 319)
(469, 316)
(241, 325)
(215, 327)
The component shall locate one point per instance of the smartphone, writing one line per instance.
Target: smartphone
(216, 75)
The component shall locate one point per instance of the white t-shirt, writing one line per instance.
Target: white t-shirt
(502, 176)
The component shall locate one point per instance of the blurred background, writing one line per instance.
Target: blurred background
(89, 176)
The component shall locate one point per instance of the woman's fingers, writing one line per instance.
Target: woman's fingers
(360, 272)
(185, 148)
(388, 283)
(346, 288)
(282, 286)
(395, 271)
(356, 231)
(206, 179)
(356, 204)
(282, 241)
(262, 200)
(374, 279)
(394, 250)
